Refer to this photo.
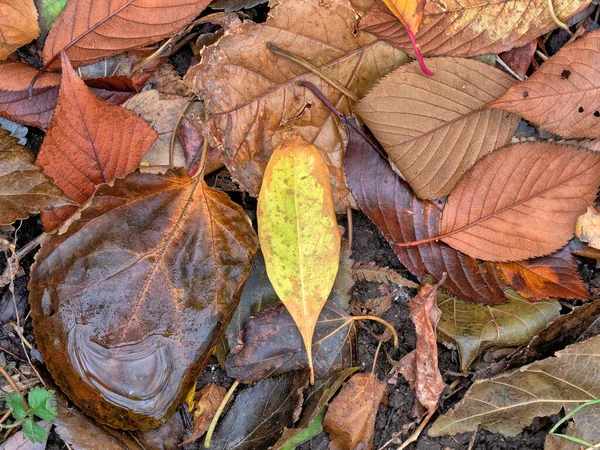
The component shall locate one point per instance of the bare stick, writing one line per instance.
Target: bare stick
(556, 20)
(13, 385)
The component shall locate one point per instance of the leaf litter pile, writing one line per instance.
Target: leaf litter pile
(312, 224)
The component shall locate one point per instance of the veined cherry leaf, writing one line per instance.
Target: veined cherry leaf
(18, 25)
(253, 95)
(521, 201)
(24, 189)
(508, 403)
(472, 27)
(435, 128)
(125, 25)
(571, 79)
(129, 302)
(477, 328)
(299, 234)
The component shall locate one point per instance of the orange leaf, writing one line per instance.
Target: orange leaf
(18, 25)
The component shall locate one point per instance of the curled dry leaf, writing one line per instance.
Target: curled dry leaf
(299, 235)
(435, 128)
(147, 277)
(587, 228)
(24, 189)
(508, 403)
(253, 96)
(472, 27)
(519, 58)
(571, 79)
(521, 201)
(350, 419)
(420, 367)
(271, 344)
(122, 25)
(477, 328)
(18, 25)
(207, 402)
(89, 142)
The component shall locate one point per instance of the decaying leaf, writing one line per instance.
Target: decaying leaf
(583, 426)
(521, 201)
(127, 25)
(472, 27)
(508, 403)
(253, 95)
(374, 273)
(519, 58)
(260, 413)
(561, 96)
(18, 25)
(207, 402)
(350, 419)
(298, 231)
(24, 189)
(49, 10)
(235, 5)
(128, 303)
(435, 128)
(18, 441)
(420, 367)
(477, 328)
(271, 344)
(587, 228)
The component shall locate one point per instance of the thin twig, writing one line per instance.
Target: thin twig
(205, 150)
(13, 385)
(350, 228)
(213, 423)
(556, 20)
(174, 135)
(541, 55)
(507, 68)
(5, 416)
(473, 439)
(314, 69)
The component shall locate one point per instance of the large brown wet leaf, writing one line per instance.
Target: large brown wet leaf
(562, 95)
(253, 95)
(472, 27)
(129, 302)
(508, 403)
(435, 128)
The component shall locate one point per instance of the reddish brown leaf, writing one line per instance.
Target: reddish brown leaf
(129, 302)
(420, 367)
(472, 27)
(350, 419)
(207, 402)
(192, 139)
(90, 142)
(521, 201)
(140, 23)
(562, 95)
(519, 58)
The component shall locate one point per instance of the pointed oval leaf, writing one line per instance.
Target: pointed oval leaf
(562, 95)
(521, 201)
(435, 128)
(298, 232)
(129, 302)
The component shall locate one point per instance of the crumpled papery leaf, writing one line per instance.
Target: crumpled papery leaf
(253, 95)
(587, 228)
(569, 79)
(420, 367)
(207, 401)
(271, 344)
(129, 302)
(508, 403)
(18, 25)
(350, 419)
(473, 329)
(472, 27)
(140, 23)
(24, 188)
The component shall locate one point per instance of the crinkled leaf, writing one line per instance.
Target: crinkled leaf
(18, 25)
(207, 401)
(155, 264)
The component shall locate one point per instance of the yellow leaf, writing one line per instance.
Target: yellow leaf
(298, 232)
(409, 12)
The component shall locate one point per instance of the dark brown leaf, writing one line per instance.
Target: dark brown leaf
(207, 402)
(519, 58)
(147, 277)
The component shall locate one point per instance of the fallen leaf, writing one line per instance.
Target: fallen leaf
(373, 273)
(473, 329)
(435, 128)
(583, 425)
(555, 275)
(350, 419)
(192, 140)
(298, 232)
(147, 277)
(519, 58)
(253, 96)
(587, 228)
(235, 5)
(49, 11)
(18, 441)
(420, 367)
(24, 189)
(271, 344)
(121, 25)
(305, 434)
(95, 141)
(18, 25)
(472, 27)
(569, 79)
(520, 202)
(260, 413)
(508, 403)
(208, 400)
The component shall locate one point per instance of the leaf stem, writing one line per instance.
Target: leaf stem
(418, 54)
(381, 321)
(213, 423)
(177, 124)
(556, 20)
(205, 150)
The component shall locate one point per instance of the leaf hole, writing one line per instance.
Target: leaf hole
(596, 113)
(565, 74)
(525, 94)
(581, 109)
